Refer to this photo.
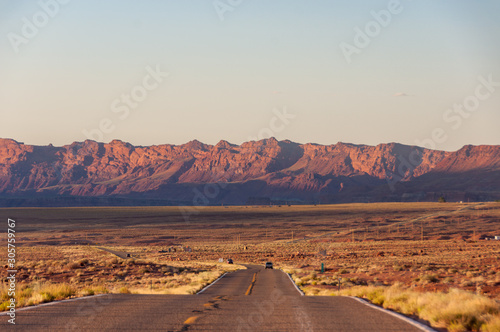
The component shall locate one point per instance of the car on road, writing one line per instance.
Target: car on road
(230, 261)
(269, 265)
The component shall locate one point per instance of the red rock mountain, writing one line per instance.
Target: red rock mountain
(91, 173)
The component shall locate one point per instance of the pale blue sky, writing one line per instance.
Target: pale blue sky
(226, 76)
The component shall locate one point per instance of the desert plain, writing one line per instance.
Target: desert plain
(327, 249)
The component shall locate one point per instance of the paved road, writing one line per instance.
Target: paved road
(120, 254)
(272, 304)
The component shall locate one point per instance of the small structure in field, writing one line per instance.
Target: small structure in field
(497, 237)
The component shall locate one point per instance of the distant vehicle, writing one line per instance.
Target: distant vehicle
(229, 261)
(269, 265)
(128, 255)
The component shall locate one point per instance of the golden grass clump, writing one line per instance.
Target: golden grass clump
(94, 290)
(124, 290)
(36, 293)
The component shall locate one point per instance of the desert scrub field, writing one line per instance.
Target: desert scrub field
(433, 265)
(47, 273)
(456, 310)
(424, 247)
(452, 284)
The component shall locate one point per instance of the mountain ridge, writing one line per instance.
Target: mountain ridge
(255, 171)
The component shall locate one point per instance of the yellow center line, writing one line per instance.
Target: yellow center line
(249, 290)
(191, 320)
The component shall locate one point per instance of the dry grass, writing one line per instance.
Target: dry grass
(36, 293)
(456, 310)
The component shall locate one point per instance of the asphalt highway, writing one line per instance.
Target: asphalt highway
(248, 300)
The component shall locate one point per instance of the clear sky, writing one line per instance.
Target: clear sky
(310, 71)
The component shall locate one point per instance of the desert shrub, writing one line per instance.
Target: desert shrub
(41, 292)
(371, 293)
(448, 280)
(429, 278)
(74, 265)
(122, 274)
(87, 292)
(315, 291)
(94, 290)
(4, 305)
(57, 291)
(124, 290)
(493, 325)
(466, 283)
(83, 262)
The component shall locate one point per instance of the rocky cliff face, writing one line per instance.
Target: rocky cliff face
(280, 170)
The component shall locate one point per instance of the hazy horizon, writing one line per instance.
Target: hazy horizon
(422, 73)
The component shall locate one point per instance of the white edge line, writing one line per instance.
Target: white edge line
(4, 313)
(293, 282)
(395, 314)
(207, 286)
